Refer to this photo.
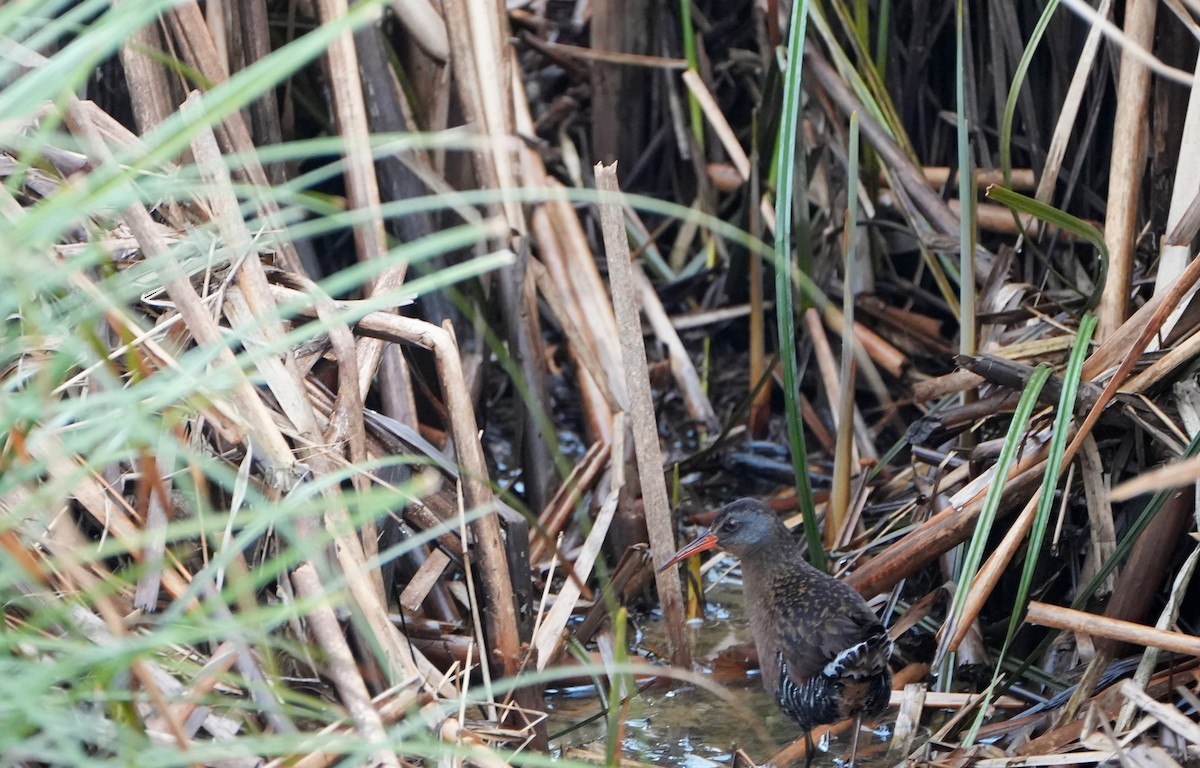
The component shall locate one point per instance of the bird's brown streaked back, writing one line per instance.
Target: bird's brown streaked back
(823, 652)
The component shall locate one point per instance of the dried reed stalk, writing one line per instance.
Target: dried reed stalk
(641, 406)
(1057, 617)
(1125, 172)
(340, 664)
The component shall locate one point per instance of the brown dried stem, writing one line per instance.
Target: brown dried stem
(641, 406)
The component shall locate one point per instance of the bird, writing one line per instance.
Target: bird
(823, 652)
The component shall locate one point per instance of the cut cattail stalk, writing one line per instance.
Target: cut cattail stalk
(1057, 617)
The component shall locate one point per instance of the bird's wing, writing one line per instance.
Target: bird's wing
(829, 623)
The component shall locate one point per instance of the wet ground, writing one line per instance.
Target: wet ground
(688, 725)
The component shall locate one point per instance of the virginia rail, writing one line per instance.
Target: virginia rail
(823, 653)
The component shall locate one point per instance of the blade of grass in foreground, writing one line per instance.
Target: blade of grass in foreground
(1085, 593)
(785, 168)
(1058, 446)
(1065, 221)
(621, 685)
(991, 503)
(1010, 104)
(966, 200)
(688, 32)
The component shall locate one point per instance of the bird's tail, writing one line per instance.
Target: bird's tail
(861, 660)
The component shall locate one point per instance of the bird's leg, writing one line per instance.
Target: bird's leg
(854, 739)
(810, 751)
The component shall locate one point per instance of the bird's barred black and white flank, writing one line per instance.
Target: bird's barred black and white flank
(815, 700)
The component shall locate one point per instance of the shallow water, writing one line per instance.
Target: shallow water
(688, 725)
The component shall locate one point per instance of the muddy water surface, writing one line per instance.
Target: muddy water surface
(689, 725)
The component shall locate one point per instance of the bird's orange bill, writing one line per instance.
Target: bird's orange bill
(703, 542)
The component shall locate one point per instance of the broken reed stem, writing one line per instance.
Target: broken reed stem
(1057, 617)
(499, 609)
(641, 410)
(340, 664)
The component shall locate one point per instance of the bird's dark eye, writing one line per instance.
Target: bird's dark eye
(729, 526)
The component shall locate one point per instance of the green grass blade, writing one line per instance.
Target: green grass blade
(785, 169)
(966, 199)
(688, 33)
(1147, 516)
(1058, 446)
(1010, 103)
(882, 36)
(1065, 221)
(991, 502)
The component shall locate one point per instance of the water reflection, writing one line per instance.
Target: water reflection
(687, 725)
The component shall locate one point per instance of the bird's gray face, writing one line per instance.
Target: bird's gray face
(745, 526)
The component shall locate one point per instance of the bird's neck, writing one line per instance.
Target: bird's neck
(779, 555)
